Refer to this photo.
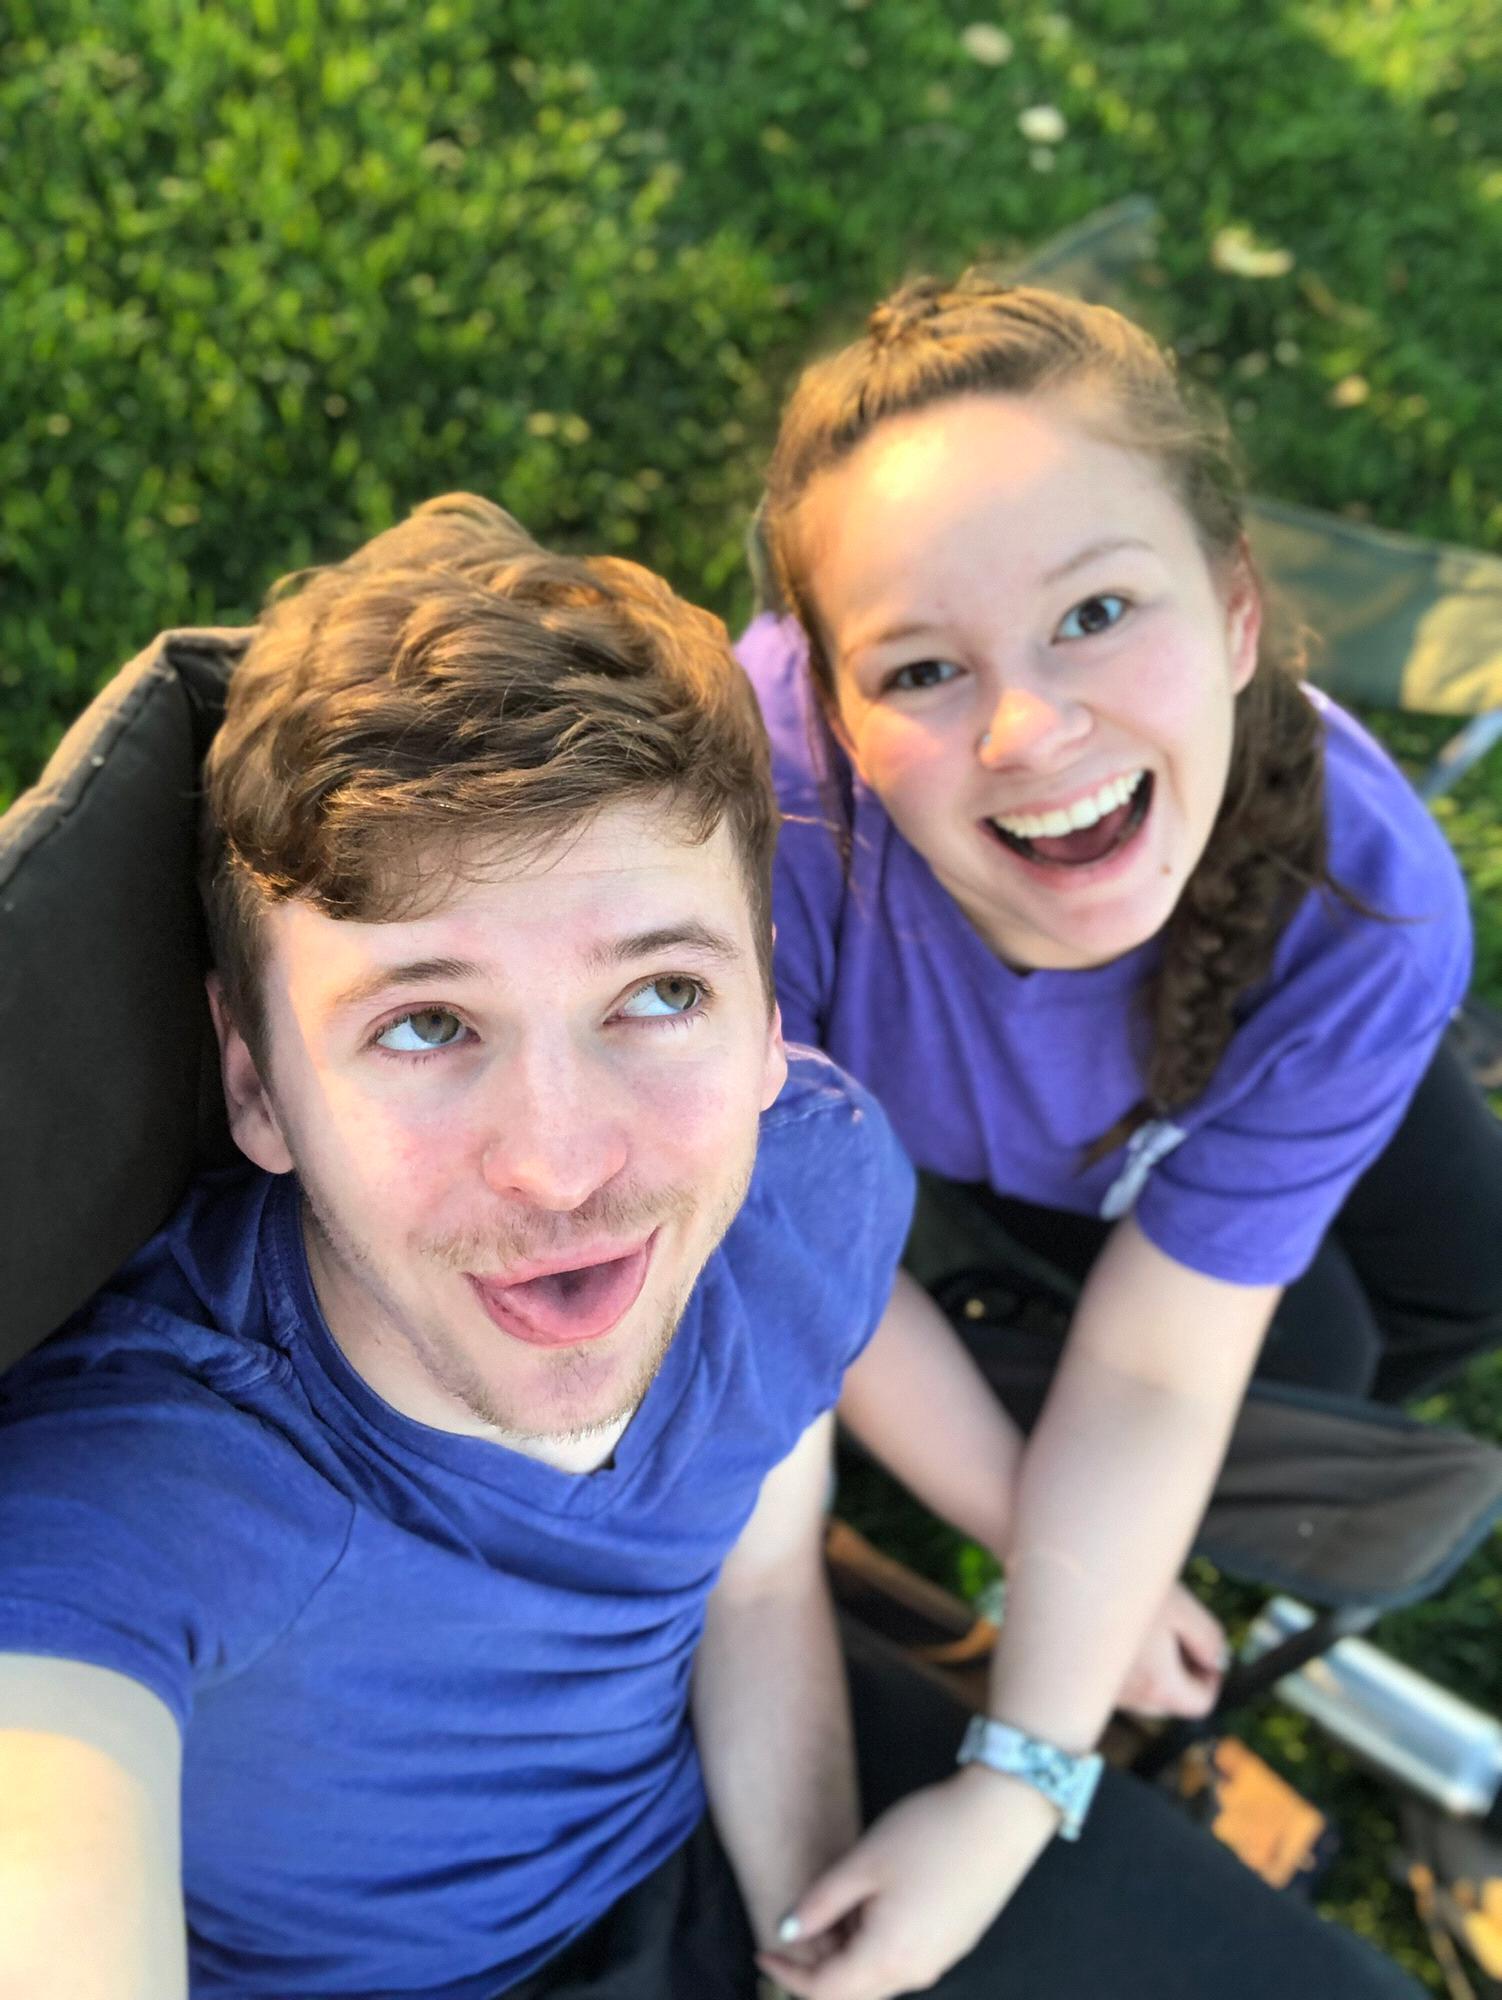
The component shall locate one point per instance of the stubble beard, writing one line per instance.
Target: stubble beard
(450, 1369)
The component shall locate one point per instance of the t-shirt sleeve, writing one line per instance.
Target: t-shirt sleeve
(148, 1528)
(1249, 1194)
(808, 882)
(850, 1196)
(889, 1218)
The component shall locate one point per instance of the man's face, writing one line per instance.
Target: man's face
(522, 1122)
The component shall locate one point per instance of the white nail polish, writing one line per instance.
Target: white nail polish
(790, 1929)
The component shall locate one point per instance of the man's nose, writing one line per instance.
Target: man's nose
(557, 1134)
(1028, 723)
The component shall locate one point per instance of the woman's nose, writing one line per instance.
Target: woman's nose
(1027, 723)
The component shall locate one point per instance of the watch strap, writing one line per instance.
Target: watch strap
(1065, 1779)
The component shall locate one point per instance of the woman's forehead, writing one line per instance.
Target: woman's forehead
(1016, 485)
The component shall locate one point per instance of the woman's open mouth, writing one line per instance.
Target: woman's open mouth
(581, 1302)
(1103, 825)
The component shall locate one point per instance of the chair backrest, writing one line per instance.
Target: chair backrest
(1398, 622)
(111, 1093)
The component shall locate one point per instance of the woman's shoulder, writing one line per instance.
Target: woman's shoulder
(774, 655)
(1385, 845)
(1392, 941)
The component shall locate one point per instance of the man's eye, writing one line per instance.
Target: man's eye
(920, 674)
(429, 1028)
(1092, 615)
(663, 998)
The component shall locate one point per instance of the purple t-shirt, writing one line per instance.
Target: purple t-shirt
(433, 1694)
(1007, 1078)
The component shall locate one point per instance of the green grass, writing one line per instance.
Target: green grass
(271, 274)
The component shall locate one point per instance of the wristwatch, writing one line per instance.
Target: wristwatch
(1065, 1780)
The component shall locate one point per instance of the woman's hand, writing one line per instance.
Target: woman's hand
(1182, 1661)
(917, 1891)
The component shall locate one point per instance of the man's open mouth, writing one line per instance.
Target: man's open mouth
(1102, 824)
(562, 1307)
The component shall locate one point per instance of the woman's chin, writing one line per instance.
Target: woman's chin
(1060, 922)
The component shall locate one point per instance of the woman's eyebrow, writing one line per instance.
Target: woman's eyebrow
(1092, 552)
(886, 635)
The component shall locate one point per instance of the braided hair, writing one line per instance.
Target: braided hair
(930, 342)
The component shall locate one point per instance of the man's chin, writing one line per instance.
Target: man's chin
(578, 1392)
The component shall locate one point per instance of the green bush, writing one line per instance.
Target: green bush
(269, 275)
(295, 281)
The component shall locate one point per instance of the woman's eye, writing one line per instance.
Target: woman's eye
(920, 674)
(1094, 614)
(426, 1029)
(664, 997)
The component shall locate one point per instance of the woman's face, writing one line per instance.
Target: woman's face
(1035, 667)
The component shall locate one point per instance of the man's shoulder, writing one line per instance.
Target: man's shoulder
(182, 1341)
(822, 1107)
(810, 1256)
(829, 1169)
(194, 1297)
(166, 1498)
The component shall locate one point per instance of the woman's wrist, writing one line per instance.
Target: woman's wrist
(1001, 1805)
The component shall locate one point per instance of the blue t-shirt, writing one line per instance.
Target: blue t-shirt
(433, 1693)
(1007, 1078)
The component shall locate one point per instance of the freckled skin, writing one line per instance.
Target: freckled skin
(554, 1123)
(946, 537)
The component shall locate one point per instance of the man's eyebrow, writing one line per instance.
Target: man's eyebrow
(417, 972)
(1090, 554)
(669, 937)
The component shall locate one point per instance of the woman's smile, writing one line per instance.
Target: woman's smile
(1035, 665)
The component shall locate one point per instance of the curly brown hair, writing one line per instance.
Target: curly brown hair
(454, 683)
(931, 342)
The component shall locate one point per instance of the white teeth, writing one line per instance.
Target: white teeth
(1084, 812)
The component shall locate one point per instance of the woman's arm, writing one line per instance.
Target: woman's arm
(1093, 1517)
(918, 1402)
(1115, 1477)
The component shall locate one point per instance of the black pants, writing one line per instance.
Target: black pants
(1407, 1284)
(1145, 1906)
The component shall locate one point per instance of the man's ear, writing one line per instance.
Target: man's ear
(1243, 619)
(253, 1121)
(775, 1073)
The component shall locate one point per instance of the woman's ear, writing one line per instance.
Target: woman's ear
(253, 1120)
(1243, 617)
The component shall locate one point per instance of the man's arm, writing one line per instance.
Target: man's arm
(90, 1772)
(770, 1703)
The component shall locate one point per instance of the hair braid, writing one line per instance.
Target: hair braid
(1267, 849)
